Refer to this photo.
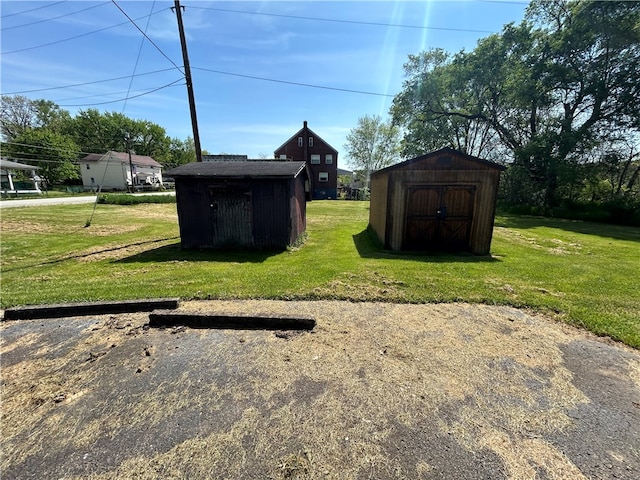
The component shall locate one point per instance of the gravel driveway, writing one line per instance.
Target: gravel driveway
(376, 390)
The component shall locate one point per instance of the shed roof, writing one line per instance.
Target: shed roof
(248, 169)
(122, 157)
(446, 150)
(9, 165)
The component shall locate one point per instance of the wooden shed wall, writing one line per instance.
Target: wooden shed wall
(378, 206)
(234, 213)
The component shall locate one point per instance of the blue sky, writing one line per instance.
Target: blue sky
(50, 47)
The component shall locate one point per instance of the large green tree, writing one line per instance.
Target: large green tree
(19, 113)
(442, 85)
(372, 144)
(547, 90)
(97, 132)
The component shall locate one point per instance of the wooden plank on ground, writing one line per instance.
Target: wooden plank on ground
(88, 308)
(230, 321)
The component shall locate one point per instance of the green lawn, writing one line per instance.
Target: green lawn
(582, 273)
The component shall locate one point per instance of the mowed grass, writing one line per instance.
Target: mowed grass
(586, 274)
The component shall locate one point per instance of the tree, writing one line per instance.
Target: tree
(546, 89)
(436, 85)
(53, 154)
(96, 132)
(180, 152)
(18, 114)
(372, 145)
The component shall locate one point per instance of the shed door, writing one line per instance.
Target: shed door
(439, 217)
(231, 217)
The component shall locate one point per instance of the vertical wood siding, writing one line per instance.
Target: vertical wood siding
(257, 213)
(442, 202)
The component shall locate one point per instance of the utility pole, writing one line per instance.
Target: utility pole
(187, 76)
(127, 140)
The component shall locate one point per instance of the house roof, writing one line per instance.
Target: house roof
(247, 169)
(299, 133)
(445, 150)
(9, 165)
(122, 157)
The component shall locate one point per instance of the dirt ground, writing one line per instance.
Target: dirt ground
(375, 391)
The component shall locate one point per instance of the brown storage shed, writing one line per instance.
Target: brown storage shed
(248, 204)
(444, 200)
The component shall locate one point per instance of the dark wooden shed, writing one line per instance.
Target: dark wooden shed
(444, 200)
(249, 204)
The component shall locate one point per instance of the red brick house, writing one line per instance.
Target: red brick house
(320, 157)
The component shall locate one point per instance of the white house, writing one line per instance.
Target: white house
(9, 185)
(115, 171)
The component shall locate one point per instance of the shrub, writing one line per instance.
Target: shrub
(124, 199)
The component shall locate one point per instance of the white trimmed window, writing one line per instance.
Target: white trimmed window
(323, 177)
(315, 159)
(283, 157)
(328, 158)
(299, 141)
(311, 141)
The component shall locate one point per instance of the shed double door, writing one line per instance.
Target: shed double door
(439, 217)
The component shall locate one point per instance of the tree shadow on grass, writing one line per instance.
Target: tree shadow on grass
(174, 253)
(607, 230)
(368, 246)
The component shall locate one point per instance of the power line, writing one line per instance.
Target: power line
(338, 20)
(42, 160)
(135, 67)
(55, 18)
(124, 99)
(43, 148)
(324, 87)
(33, 9)
(76, 36)
(145, 35)
(94, 95)
(88, 83)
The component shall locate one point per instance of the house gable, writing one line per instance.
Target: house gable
(320, 157)
(304, 132)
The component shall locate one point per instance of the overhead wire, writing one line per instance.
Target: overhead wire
(339, 20)
(11, 142)
(54, 18)
(94, 95)
(32, 9)
(324, 87)
(135, 67)
(87, 83)
(75, 36)
(231, 73)
(27, 157)
(145, 35)
(253, 77)
(126, 98)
